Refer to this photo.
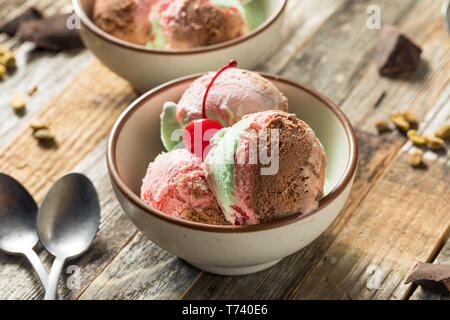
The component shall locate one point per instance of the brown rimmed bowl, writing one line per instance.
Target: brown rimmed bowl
(146, 68)
(229, 250)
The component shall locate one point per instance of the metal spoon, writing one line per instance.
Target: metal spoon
(67, 222)
(18, 234)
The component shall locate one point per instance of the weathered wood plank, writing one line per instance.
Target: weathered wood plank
(65, 67)
(340, 52)
(302, 20)
(142, 270)
(424, 294)
(33, 69)
(419, 90)
(401, 221)
(81, 116)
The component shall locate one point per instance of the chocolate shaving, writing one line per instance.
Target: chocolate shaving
(434, 277)
(10, 27)
(50, 33)
(396, 53)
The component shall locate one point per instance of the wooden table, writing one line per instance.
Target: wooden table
(395, 215)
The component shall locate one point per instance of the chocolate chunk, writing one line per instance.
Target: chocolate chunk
(434, 277)
(10, 27)
(50, 33)
(396, 53)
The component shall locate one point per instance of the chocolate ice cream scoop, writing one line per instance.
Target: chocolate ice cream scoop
(268, 165)
(197, 23)
(127, 20)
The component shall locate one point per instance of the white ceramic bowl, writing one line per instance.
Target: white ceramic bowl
(229, 250)
(146, 68)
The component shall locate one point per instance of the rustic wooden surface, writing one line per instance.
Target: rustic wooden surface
(395, 215)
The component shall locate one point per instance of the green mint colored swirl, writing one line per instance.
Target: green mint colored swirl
(159, 41)
(220, 164)
(169, 124)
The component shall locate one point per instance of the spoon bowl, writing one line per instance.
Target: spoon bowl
(67, 222)
(18, 212)
(69, 216)
(18, 233)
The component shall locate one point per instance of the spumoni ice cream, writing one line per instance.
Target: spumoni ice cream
(174, 24)
(268, 165)
(260, 163)
(197, 23)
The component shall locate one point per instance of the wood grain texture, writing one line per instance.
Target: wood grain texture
(418, 90)
(33, 67)
(302, 20)
(424, 294)
(65, 65)
(142, 270)
(80, 117)
(340, 52)
(401, 221)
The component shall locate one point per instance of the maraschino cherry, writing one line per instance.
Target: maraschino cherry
(198, 133)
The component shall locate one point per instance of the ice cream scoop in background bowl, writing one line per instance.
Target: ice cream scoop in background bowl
(229, 250)
(146, 68)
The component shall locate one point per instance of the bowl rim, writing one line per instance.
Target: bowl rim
(90, 25)
(113, 170)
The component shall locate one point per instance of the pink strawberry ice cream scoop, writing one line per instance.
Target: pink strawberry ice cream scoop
(127, 20)
(268, 165)
(235, 93)
(197, 23)
(175, 184)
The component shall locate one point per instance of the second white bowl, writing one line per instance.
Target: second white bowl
(146, 68)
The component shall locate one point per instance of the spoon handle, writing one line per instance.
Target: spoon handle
(38, 266)
(51, 292)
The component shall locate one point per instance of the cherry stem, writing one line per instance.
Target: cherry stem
(231, 64)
